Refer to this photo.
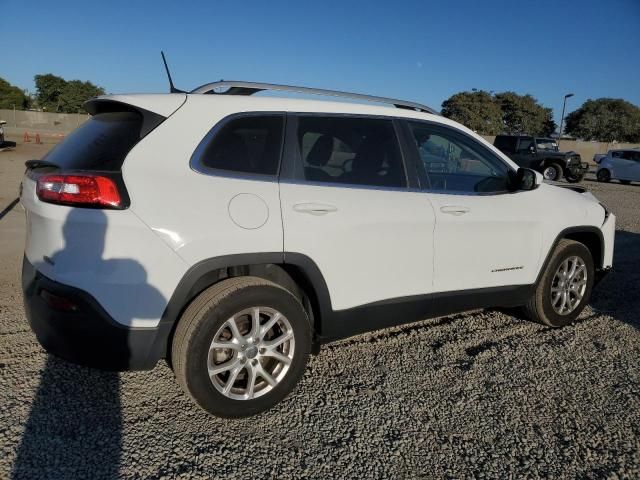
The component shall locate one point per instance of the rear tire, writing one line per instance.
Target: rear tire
(603, 175)
(552, 172)
(555, 290)
(227, 357)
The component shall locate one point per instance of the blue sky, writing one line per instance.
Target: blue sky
(416, 50)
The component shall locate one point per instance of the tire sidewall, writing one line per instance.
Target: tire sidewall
(554, 319)
(197, 377)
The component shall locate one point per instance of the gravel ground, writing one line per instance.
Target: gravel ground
(481, 394)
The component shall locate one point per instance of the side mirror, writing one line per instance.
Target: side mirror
(527, 179)
(532, 149)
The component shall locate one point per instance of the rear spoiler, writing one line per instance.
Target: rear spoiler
(150, 120)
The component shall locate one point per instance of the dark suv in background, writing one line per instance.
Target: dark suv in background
(543, 155)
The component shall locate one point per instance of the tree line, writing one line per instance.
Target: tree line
(603, 119)
(53, 94)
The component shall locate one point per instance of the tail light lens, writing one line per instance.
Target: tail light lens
(87, 190)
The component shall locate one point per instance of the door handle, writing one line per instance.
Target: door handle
(454, 210)
(314, 208)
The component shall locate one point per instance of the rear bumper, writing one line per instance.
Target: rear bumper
(85, 335)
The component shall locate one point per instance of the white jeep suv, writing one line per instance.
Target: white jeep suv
(233, 234)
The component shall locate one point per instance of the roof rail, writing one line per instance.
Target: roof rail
(249, 88)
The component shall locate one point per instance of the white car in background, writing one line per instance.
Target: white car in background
(620, 164)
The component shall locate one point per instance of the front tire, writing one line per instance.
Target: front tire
(574, 178)
(603, 175)
(241, 346)
(565, 286)
(552, 172)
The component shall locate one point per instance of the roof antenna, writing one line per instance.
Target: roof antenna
(172, 88)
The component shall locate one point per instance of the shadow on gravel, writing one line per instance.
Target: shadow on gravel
(74, 429)
(617, 295)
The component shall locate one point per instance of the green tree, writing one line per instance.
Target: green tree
(48, 90)
(476, 110)
(605, 120)
(523, 114)
(11, 96)
(55, 94)
(75, 93)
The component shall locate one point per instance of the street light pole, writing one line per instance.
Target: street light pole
(564, 104)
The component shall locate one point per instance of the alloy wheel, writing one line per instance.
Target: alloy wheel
(568, 285)
(251, 353)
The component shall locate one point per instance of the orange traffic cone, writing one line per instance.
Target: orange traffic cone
(38, 139)
(26, 138)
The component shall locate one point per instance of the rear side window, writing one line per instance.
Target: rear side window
(349, 150)
(101, 143)
(247, 144)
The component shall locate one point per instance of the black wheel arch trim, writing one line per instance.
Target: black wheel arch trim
(566, 233)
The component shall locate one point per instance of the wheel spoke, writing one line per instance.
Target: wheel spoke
(282, 358)
(255, 322)
(233, 375)
(574, 265)
(251, 382)
(270, 344)
(231, 323)
(267, 376)
(269, 325)
(223, 367)
(224, 344)
(564, 301)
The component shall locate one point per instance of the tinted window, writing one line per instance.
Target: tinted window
(525, 145)
(616, 154)
(247, 144)
(455, 163)
(361, 151)
(101, 143)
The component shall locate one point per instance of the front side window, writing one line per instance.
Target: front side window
(454, 163)
(349, 150)
(525, 145)
(247, 144)
(547, 144)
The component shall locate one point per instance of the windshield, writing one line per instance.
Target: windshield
(546, 144)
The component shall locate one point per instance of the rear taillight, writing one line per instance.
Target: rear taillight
(87, 190)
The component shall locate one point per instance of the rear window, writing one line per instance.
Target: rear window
(101, 143)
